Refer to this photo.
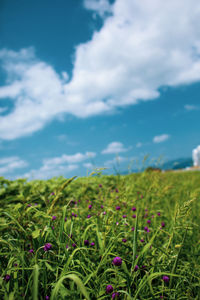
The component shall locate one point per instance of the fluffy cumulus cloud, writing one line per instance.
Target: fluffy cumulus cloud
(142, 46)
(161, 138)
(114, 147)
(196, 156)
(9, 164)
(57, 166)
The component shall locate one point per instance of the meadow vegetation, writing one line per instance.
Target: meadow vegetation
(133, 237)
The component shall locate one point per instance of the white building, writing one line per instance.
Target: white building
(196, 156)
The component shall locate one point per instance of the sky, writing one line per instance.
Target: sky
(88, 84)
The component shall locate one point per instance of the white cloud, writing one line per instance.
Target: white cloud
(141, 47)
(114, 147)
(196, 156)
(191, 107)
(10, 164)
(102, 7)
(58, 166)
(139, 145)
(88, 166)
(116, 160)
(2, 109)
(161, 138)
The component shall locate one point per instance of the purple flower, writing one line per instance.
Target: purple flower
(124, 216)
(142, 240)
(47, 298)
(133, 228)
(146, 229)
(124, 240)
(52, 194)
(148, 221)
(90, 206)
(158, 213)
(47, 247)
(65, 219)
(117, 223)
(118, 207)
(15, 265)
(145, 215)
(67, 246)
(86, 243)
(29, 205)
(101, 206)
(136, 268)
(117, 261)
(152, 216)
(100, 185)
(104, 213)
(53, 218)
(114, 295)
(88, 216)
(134, 216)
(92, 244)
(116, 190)
(53, 227)
(7, 277)
(163, 224)
(31, 251)
(109, 288)
(74, 245)
(133, 208)
(165, 279)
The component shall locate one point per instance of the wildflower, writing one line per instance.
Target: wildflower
(53, 227)
(133, 228)
(65, 219)
(124, 216)
(47, 298)
(136, 268)
(86, 243)
(134, 216)
(118, 207)
(102, 206)
(74, 245)
(29, 205)
(52, 194)
(165, 279)
(117, 223)
(116, 190)
(114, 295)
(109, 288)
(7, 277)
(146, 229)
(47, 247)
(158, 213)
(90, 206)
(148, 221)
(117, 261)
(142, 240)
(133, 208)
(163, 224)
(88, 216)
(15, 265)
(92, 244)
(124, 240)
(100, 185)
(53, 218)
(67, 246)
(152, 216)
(125, 224)
(31, 251)
(104, 213)
(145, 215)
(141, 196)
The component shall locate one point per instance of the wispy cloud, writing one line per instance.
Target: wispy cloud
(139, 145)
(58, 166)
(101, 7)
(115, 161)
(189, 107)
(161, 138)
(146, 56)
(114, 147)
(10, 164)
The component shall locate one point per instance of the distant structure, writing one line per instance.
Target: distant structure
(196, 156)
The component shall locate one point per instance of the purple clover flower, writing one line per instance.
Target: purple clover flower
(86, 243)
(31, 251)
(115, 295)
(90, 206)
(47, 298)
(7, 277)
(124, 240)
(163, 224)
(53, 218)
(100, 185)
(142, 240)
(158, 213)
(148, 221)
(74, 245)
(117, 261)
(133, 208)
(133, 216)
(116, 190)
(133, 228)
(165, 279)
(88, 216)
(47, 246)
(104, 213)
(102, 206)
(146, 229)
(118, 207)
(124, 216)
(136, 268)
(92, 244)
(109, 288)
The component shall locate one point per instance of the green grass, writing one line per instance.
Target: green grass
(71, 269)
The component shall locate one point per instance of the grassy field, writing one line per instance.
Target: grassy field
(101, 237)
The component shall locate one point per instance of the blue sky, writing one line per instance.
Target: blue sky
(97, 83)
